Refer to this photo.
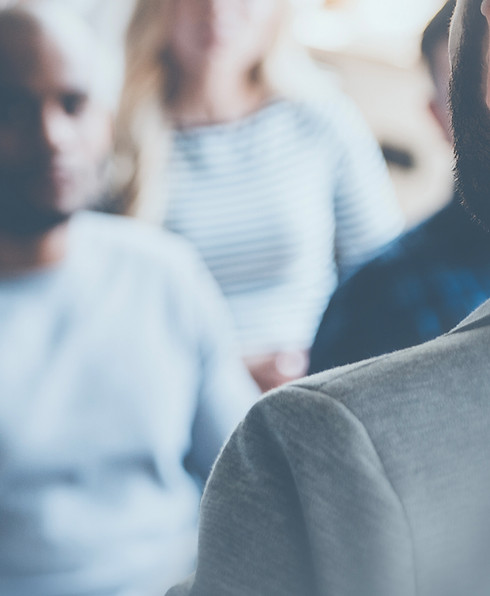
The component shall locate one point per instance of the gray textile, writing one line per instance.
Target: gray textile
(369, 480)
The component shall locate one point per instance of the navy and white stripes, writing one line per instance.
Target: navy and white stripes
(279, 204)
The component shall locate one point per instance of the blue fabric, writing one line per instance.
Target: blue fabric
(421, 287)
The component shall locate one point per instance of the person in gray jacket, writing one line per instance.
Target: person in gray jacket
(372, 479)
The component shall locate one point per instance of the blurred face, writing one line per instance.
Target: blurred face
(53, 138)
(235, 32)
(469, 95)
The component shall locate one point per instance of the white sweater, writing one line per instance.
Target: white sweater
(115, 367)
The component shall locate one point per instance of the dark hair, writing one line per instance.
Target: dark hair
(436, 32)
(471, 116)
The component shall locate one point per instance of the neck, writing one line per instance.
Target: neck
(21, 255)
(216, 96)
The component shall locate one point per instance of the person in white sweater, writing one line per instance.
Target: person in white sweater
(118, 376)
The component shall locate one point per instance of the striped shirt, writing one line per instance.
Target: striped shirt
(280, 204)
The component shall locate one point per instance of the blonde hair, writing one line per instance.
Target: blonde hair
(143, 128)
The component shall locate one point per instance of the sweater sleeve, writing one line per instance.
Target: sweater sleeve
(299, 505)
(226, 391)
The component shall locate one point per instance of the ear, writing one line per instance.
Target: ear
(441, 118)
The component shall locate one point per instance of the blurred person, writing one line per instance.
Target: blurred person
(280, 189)
(371, 479)
(427, 281)
(118, 379)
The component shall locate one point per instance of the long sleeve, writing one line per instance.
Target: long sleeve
(298, 504)
(366, 211)
(226, 390)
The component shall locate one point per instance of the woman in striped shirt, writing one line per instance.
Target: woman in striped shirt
(280, 185)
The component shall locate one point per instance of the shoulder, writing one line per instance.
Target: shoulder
(156, 267)
(412, 252)
(386, 396)
(372, 286)
(332, 111)
(130, 239)
(444, 240)
(330, 107)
